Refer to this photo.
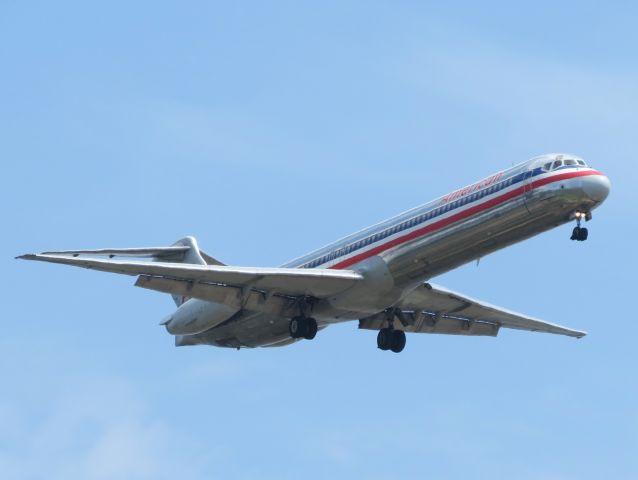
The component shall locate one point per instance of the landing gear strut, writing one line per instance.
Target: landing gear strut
(390, 339)
(303, 327)
(580, 233)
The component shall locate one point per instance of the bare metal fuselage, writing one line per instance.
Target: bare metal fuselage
(398, 255)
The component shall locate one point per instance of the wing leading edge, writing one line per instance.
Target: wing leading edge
(427, 309)
(318, 283)
(435, 309)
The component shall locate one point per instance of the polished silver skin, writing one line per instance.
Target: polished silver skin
(379, 276)
(395, 272)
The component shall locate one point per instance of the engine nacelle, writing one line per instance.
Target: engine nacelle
(195, 316)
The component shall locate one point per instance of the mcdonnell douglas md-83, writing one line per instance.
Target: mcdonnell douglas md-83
(378, 276)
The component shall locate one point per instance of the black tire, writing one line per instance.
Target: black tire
(311, 328)
(575, 234)
(384, 339)
(584, 233)
(398, 341)
(296, 327)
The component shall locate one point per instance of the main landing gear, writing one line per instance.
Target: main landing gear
(391, 339)
(580, 233)
(303, 327)
(388, 338)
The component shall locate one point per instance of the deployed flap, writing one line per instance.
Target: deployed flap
(236, 297)
(422, 322)
(434, 302)
(289, 281)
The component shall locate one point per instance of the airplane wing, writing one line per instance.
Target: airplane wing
(434, 309)
(318, 283)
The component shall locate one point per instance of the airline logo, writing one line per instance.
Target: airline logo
(472, 188)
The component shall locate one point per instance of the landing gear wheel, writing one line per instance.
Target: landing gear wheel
(575, 233)
(302, 327)
(583, 234)
(296, 327)
(398, 341)
(391, 339)
(311, 329)
(384, 339)
(580, 234)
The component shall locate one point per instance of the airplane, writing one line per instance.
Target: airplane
(379, 276)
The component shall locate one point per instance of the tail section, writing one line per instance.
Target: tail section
(192, 255)
(184, 250)
(189, 255)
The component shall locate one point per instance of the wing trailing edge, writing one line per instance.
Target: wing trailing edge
(435, 309)
(319, 283)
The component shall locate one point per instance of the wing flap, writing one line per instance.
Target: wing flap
(318, 283)
(253, 300)
(439, 302)
(423, 323)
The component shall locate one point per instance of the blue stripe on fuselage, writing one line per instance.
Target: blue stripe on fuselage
(424, 217)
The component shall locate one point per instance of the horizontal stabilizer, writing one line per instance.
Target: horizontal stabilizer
(157, 252)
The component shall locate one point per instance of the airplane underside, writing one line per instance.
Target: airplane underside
(379, 276)
(434, 255)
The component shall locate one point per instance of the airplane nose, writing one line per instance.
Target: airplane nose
(596, 187)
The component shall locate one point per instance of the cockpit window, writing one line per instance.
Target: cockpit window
(567, 162)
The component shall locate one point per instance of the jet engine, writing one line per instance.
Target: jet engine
(195, 316)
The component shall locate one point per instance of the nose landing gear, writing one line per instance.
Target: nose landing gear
(580, 233)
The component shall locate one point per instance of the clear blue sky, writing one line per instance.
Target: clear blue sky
(268, 129)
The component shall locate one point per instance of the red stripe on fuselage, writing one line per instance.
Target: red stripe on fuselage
(438, 225)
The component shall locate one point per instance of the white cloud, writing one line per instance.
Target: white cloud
(100, 430)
